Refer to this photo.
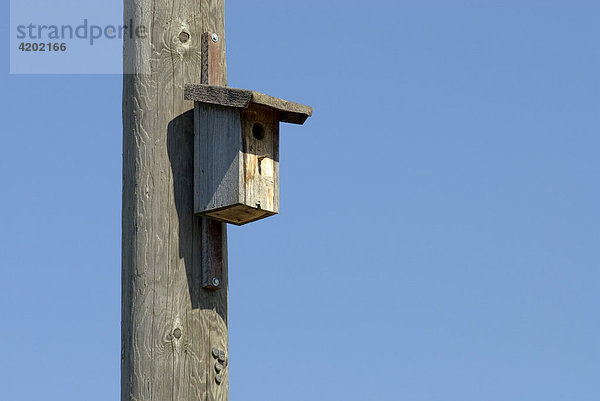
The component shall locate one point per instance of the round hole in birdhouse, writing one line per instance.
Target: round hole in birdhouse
(258, 131)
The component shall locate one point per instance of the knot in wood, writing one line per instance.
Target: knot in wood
(177, 333)
(184, 37)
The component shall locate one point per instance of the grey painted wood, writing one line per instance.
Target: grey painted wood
(169, 323)
(290, 112)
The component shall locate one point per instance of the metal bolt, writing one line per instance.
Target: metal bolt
(219, 367)
(215, 352)
(222, 357)
(218, 379)
(216, 282)
(177, 333)
(215, 37)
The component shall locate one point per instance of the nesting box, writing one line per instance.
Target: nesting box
(236, 151)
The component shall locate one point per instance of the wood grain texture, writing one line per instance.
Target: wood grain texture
(239, 214)
(230, 97)
(236, 174)
(214, 244)
(212, 67)
(290, 112)
(169, 323)
(217, 156)
(261, 160)
(213, 233)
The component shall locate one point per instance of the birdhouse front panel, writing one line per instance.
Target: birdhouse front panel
(260, 139)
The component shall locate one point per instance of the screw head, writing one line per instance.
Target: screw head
(219, 367)
(222, 357)
(215, 37)
(216, 282)
(218, 379)
(177, 333)
(215, 352)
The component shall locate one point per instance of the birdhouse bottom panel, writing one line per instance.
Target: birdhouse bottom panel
(238, 214)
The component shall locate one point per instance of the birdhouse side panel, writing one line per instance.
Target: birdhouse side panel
(260, 138)
(217, 157)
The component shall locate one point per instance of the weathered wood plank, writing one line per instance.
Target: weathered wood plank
(218, 170)
(212, 253)
(239, 214)
(261, 167)
(212, 67)
(290, 112)
(169, 323)
(218, 95)
(213, 233)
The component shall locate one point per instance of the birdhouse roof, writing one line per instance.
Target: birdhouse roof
(289, 112)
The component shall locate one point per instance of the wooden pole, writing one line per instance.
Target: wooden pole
(174, 332)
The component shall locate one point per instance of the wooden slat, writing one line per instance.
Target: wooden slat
(213, 243)
(261, 164)
(217, 157)
(212, 62)
(239, 214)
(290, 112)
(219, 95)
(212, 233)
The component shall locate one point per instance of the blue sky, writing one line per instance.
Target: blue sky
(439, 224)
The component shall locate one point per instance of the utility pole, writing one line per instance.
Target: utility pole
(196, 155)
(174, 330)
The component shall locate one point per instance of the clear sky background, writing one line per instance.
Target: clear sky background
(439, 225)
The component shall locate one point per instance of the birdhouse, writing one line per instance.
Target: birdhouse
(236, 151)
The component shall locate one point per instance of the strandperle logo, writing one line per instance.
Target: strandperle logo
(85, 31)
